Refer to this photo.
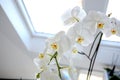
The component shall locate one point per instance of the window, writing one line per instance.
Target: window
(46, 15)
(113, 6)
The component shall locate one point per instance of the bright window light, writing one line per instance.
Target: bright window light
(46, 15)
(113, 6)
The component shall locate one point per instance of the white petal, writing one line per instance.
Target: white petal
(48, 75)
(67, 18)
(90, 21)
(65, 43)
(91, 26)
(75, 11)
(88, 37)
(81, 15)
(38, 63)
(59, 35)
(78, 27)
(72, 34)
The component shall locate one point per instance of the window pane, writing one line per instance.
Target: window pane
(46, 15)
(113, 6)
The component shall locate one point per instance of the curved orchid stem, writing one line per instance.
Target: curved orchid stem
(84, 54)
(54, 56)
(92, 60)
(58, 66)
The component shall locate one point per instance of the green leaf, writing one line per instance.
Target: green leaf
(107, 69)
(114, 78)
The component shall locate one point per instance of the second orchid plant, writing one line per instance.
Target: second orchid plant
(82, 32)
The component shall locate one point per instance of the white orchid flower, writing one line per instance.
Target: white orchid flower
(60, 44)
(80, 35)
(97, 21)
(42, 61)
(75, 15)
(70, 70)
(115, 29)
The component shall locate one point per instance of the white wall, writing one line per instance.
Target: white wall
(14, 63)
(15, 60)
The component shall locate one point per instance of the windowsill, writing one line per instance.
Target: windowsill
(96, 75)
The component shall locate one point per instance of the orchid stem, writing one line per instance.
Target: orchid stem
(58, 66)
(53, 56)
(84, 54)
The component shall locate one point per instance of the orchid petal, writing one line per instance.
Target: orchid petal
(75, 11)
